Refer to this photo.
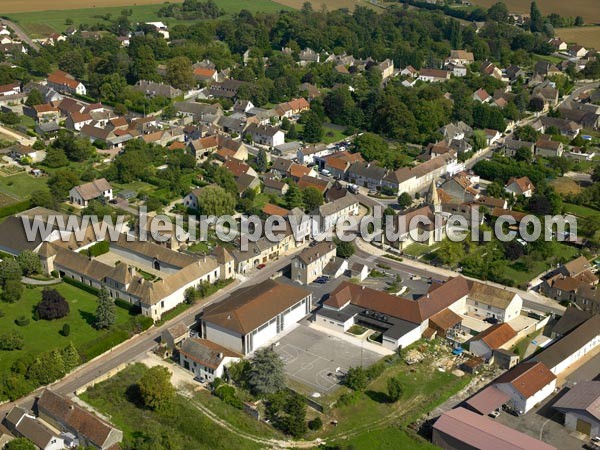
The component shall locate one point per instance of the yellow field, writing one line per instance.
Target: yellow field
(588, 9)
(14, 6)
(586, 36)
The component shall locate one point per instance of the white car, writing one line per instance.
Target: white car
(494, 414)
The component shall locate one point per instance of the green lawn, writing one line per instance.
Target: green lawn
(21, 186)
(417, 249)
(579, 210)
(43, 335)
(43, 23)
(388, 439)
(183, 426)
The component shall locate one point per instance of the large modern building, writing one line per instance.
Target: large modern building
(581, 408)
(255, 315)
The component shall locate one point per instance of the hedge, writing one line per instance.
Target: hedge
(78, 284)
(99, 248)
(22, 321)
(15, 208)
(133, 309)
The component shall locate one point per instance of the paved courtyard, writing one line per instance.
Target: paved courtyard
(317, 359)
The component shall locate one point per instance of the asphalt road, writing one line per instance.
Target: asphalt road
(20, 33)
(139, 345)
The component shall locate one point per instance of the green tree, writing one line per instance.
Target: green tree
(295, 421)
(451, 253)
(180, 74)
(394, 389)
(523, 154)
(9, 270)
(313, 128)
(12, 291)
(498, 12)
(261, 160)
(596, 173)
(344, 249)
(70, 357)
(13, 340)
(42, 197)
(47, 368)
(479, 140)
(405, 200)
(215, 201)
(34, 98)
(29, 262)
(356, 378)
(156, 389)
(292, 133)
(56, 157)
(72, 62)
(371, 146)
(293, 197)
(20, 444)
(105, 312)
(312, 198)
(266, 374)
(536, 24)
(61, 182)
(226, 180)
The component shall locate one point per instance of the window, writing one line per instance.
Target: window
(162, 304)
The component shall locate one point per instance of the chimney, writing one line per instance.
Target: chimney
(220, 355)
(362, 287)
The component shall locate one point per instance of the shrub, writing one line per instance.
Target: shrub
(53, 305)
(55, 273)
(22, 321)
(347, 399)
(99, 248)
(66, 330)
(227, 393)
(315, 424)
(13, 340)
(82, 286)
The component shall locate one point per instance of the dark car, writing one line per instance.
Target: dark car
(261, 266)
(491, 320)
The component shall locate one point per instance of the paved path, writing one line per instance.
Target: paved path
(137, 347)
(531, 299)
(34, 282)
(21, 138)
(20, 33)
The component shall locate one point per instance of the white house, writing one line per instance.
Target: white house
(333, 212)
(255, 315)
(265, 135)
(520, 186)
(528, 384)
(161, 28)
(65, 82)
(22, 424)
(491, 136)
(571, 348)
(309, 264)
(98, 189)
(487, 301)
(493, 338)
(205, 359)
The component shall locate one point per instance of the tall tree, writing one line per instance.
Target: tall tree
(266, 374)
(20, 444)
(29, 262)
(261, 160)
(215, 201)
(313, 129)
(312, 198)
(156, 389)
(179, 73)
(536, 24)
(34, 98)
(105, 311)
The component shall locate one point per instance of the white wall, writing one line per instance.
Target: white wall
(575, 356)
(223, 337)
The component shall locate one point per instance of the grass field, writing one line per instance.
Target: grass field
(588, 9)
(21, 186)
(183, 425)
(43, 335)
(580, 211)
(38, 22)
(565, 185)
(331, 5)
(586, 36)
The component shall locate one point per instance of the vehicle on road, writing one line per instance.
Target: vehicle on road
(494, 413)
(261, 266)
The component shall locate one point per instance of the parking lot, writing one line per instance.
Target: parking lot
(317, 359)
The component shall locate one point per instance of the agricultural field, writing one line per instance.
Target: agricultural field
(588, 9)
(586, 36)
(331, 5)
(39, 23)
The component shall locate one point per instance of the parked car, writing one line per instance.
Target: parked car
(261, 266)
(494, 414)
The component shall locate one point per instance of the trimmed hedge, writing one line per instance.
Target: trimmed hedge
(99, 248)
(133, 309)
(84, 287)
(22, 321)
(15, 208)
